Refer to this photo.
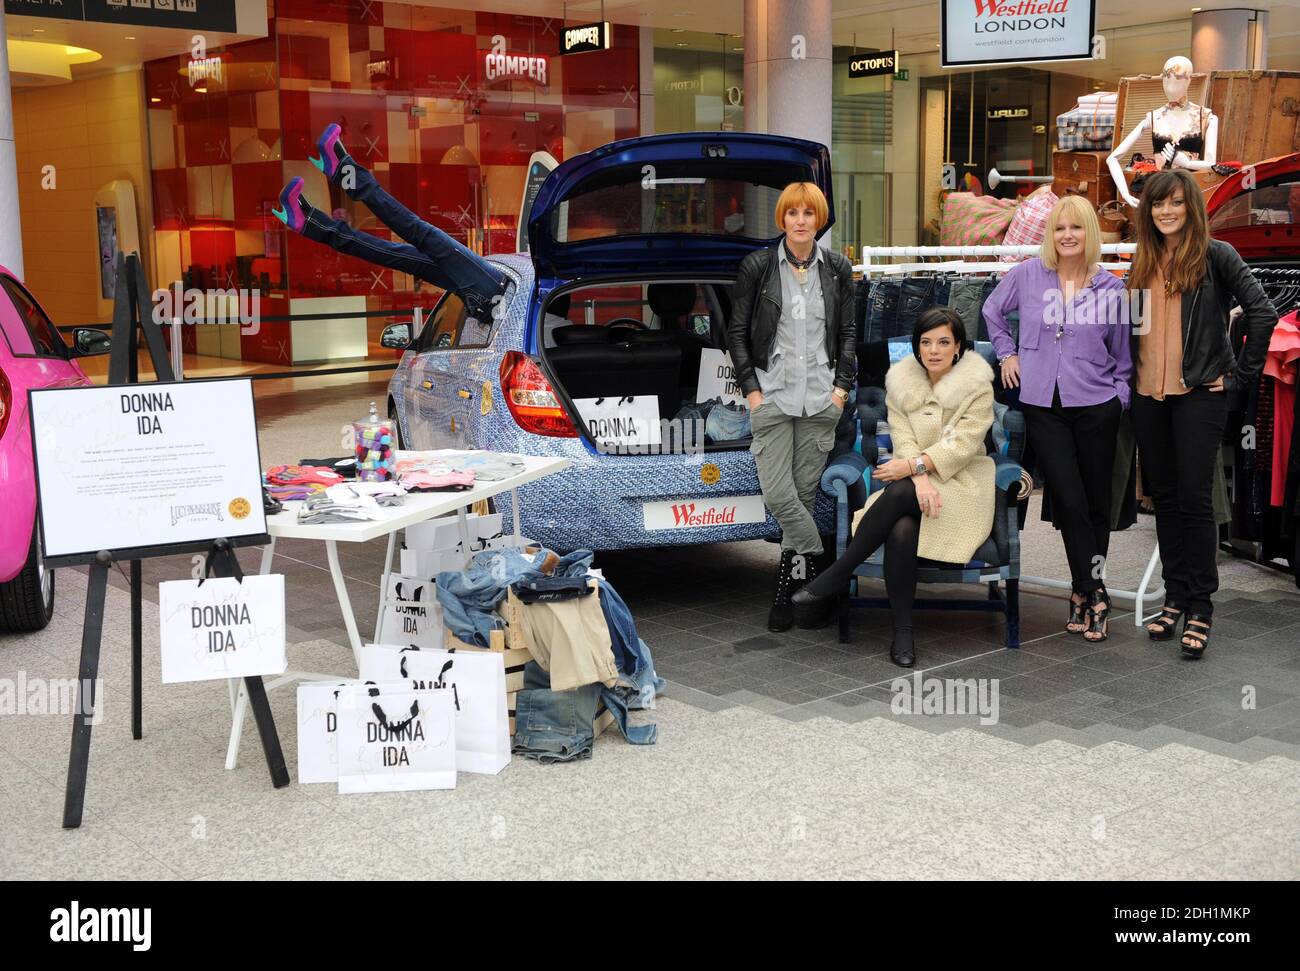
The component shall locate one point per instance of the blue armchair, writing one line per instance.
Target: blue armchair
(849, 481)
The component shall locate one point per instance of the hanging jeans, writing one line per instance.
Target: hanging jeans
(428, 253)
(916, 296)
(882, 309)
(1178, 446)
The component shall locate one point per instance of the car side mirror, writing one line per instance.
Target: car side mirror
(396, 336)
(89, 342)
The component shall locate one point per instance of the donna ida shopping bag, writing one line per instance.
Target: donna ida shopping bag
(394, 739)
(222, 628)
(476, 682)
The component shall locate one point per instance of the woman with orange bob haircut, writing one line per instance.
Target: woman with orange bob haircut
(792, 339)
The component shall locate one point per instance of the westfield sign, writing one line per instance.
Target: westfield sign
(684, 514)
(1023, 8)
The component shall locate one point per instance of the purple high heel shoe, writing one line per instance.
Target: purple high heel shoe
(292, 212)
(332, 153)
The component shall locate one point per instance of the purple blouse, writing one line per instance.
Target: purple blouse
(1080, 349)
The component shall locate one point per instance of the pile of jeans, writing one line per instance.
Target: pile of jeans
(723, 422)
(554, 726)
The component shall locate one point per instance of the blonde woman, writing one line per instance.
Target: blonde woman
(792, 342)
(1072, 366)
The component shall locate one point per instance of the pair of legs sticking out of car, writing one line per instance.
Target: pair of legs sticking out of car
(427, 253)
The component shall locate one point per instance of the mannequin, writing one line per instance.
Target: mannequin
(1184, 135)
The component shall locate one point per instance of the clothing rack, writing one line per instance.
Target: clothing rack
(1143, 593)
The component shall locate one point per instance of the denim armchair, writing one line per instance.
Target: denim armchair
(996, 563)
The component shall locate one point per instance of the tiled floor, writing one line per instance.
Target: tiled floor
(778, 755)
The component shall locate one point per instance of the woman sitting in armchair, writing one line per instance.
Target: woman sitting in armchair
(939, 497)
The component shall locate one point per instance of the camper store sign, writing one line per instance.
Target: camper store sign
(1016, 31)
(585, 38)
(873, 64)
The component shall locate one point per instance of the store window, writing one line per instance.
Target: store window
(444, 106)
(862, 130)
(699, 81)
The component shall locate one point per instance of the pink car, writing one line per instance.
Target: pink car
(32, 355)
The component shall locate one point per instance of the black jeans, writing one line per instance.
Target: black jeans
(895, 520)
(1075, 450)
(1178, 444)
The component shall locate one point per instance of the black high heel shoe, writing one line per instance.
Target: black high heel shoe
(1098, 622)
(1164, 626)
(811, 611)
(1196, 639)
(1078, 615)
(901, 650)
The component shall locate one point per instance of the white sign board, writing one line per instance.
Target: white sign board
(694, 513)
(617, 423)
(222, 628)
(134, 466)
(718, 378)
(1016, 31)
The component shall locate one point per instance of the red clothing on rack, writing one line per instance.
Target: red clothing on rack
(1281, 365)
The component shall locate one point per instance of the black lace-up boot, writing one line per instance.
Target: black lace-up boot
(781, 616)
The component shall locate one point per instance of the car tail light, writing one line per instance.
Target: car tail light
(532, 400)
(6, 403)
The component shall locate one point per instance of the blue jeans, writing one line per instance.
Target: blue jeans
(469, 598)
(428, 253)
(559, 726)
(640, 684)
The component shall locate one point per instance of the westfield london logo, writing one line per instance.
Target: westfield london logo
(1006, 8)
(684, 514)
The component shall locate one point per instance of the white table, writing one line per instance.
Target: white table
(418, 507)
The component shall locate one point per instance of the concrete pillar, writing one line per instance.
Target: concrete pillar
(647, 80)
(1230, 40)
(788, 68)
(11, 224)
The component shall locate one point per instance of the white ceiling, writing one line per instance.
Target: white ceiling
(1156, 30)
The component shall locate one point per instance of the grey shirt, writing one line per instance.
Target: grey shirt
(798, 378)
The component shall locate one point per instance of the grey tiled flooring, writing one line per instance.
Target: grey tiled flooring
(778, 756)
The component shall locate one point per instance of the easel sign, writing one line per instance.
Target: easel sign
(133, 470)
(134, 467)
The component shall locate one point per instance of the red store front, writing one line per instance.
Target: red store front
(444, 106)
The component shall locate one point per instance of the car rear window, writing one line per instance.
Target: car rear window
(675, 198)
(26, 328)
(1272, 204)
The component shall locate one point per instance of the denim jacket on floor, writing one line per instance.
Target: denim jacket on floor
(469, 598)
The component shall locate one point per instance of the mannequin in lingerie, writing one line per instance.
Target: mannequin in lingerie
(1184, 135)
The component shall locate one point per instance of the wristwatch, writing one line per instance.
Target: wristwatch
(841, 394)
(918, 467)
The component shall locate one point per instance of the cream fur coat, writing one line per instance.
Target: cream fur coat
(947, 422)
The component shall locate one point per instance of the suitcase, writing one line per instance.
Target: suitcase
(1259, 114)
(1083, 174)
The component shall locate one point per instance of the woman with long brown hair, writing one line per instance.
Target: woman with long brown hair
(1188, 379)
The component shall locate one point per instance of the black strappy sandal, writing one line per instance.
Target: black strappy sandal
(1078, 615)
(1098, 620)
(1199, 636)
(1166, 623)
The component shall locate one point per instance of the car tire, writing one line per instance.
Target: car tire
(27, 601)
(397, 424)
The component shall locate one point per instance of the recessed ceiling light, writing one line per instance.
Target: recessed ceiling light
(739, 50)
(1196, 10)
(129, 37)
(682, 43)
(38, 30)
(678, 30)
(201, 90)
(154, 100)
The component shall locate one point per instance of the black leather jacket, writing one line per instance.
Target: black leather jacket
(1207, 349)
(756, 312)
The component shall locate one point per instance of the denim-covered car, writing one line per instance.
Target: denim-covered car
(608, 349)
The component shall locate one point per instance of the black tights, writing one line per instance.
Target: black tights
(895, 520)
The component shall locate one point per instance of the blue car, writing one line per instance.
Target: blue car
(610, 349)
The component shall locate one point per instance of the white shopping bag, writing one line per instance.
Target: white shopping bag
(717, 378)
(393, 739)
(615, 423)
(410, 613)
(318, 749)
(477, 683)
(222, 628)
